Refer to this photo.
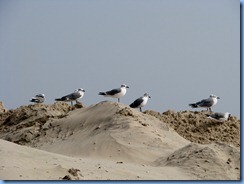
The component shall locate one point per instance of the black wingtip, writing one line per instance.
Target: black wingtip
(101, 93)
(193, 105)
(132, 105)
(33, 100)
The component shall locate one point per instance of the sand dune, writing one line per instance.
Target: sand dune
(25, 163)
(205, 161)
(111, 141)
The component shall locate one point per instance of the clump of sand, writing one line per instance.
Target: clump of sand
(110, 140)
(196, 127)
(28, 122)
(202, 161)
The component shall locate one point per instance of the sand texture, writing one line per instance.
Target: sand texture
(111, 141)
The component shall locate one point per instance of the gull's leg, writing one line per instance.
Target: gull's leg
(140, 109)
(118, 100)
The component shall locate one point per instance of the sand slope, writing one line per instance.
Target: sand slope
(104, 141)
(25, 163)
(111, 131)
(216, 161)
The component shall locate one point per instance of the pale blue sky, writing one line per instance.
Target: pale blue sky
(179, 51)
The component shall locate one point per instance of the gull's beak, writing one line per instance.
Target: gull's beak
(83, 90)
(218, 97)
(127, 86)
(149, 96)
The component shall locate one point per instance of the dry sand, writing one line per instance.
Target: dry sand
(111, 141)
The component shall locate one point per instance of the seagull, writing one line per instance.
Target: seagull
(79, 93)
(206, 103)
(220, 116)
(38, 98)
(115, 93)
(140, 102)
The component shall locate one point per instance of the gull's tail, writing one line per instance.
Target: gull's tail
(193, 105)
(33, 100)
(58, 99)
(101, 93)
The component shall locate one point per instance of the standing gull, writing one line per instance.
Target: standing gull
(79, 93)
(38, 98)
(220, 116)
(206, 103)
(115, 93)
(140, 102)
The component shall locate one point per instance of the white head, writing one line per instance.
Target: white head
(79, 90)
(124, 86)
(214, 96)
(41, 95)
(147, 95)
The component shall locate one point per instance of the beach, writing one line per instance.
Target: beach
(111, 141)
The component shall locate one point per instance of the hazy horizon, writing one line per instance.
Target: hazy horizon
(178, 51)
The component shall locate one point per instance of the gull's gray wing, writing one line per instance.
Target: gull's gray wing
(39, 96)
(218, 115)
(136, 103)
(113, 91)
(72, 96)
(205, 102)
(40, 99)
